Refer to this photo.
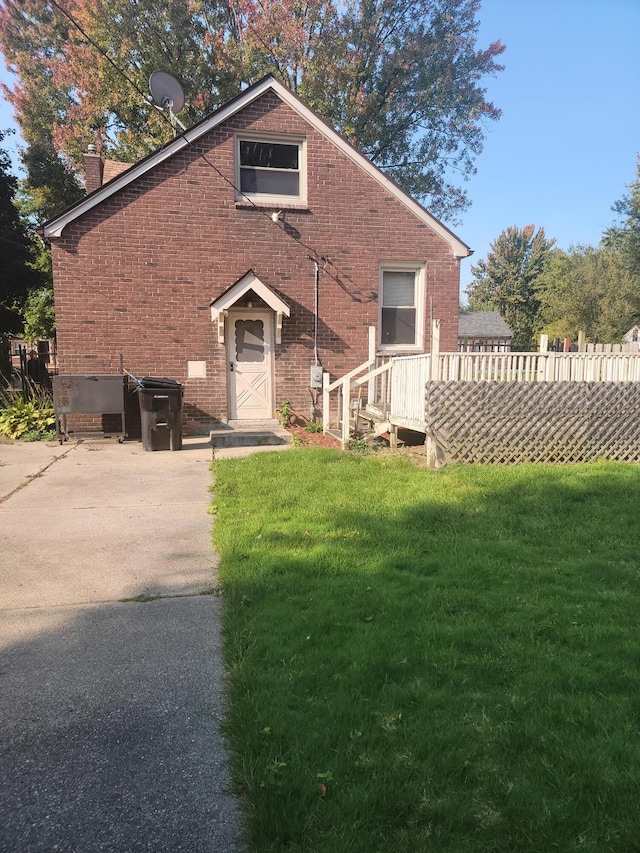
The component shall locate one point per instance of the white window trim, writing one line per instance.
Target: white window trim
(419, 270)
(266, 198)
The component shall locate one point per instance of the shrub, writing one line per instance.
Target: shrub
(32, 420)
(366, 445)
(284, 413)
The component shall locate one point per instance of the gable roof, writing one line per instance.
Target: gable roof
(482, 324)
(54, 227)
(249, 281)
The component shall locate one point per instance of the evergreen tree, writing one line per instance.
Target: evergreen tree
(625, 235)
(508, 281)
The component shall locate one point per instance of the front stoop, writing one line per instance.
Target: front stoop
(249, 434)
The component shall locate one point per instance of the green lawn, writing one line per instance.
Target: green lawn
(432, 660)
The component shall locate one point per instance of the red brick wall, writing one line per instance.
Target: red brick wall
(136, 275)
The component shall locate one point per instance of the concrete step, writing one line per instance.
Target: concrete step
(249, 436)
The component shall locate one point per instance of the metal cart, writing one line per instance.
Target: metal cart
(96, 394)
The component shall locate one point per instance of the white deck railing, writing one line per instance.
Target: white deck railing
(538, 367)
(409, 374)
(395, 388)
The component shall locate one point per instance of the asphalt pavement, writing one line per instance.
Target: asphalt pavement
(111, 677)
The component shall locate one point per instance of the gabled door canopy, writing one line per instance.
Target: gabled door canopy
(249, 281)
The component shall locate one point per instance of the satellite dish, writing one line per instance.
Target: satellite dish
(166, 92)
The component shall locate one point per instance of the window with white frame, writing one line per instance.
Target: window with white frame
(271, 169)
(401, 307)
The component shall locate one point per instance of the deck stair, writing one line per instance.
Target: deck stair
(493, 406)
(370, 420)
(364, 421)
(249, 434)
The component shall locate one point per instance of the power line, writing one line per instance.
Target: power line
(102, 52)
(14, 243)
(317, 255)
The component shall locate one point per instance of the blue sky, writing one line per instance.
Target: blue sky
(565, 148)
(566, 145)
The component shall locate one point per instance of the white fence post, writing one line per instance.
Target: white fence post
(326, 403)
(581, 342)
(346, 402)
(435, 350)
(371, 386)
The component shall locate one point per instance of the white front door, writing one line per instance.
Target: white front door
(249, 365)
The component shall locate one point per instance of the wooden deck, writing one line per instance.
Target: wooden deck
(391, 393)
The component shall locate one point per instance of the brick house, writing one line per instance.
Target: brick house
(252, 247)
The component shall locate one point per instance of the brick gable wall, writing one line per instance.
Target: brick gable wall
(135, 276)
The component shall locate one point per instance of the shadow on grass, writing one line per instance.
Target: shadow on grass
(442, 661)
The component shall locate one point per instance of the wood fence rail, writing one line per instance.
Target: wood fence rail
(538, 367)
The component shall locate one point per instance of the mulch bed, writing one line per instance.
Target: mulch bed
(313, 439)
(410, 443)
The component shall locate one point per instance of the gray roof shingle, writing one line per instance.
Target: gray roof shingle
(483, 324)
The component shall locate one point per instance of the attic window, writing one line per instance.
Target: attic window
(271, 169)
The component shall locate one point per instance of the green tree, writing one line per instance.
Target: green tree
(401, 79)
(50, 186)
(625, 235)
(39, 315)
(17, 272)
(509, 281)
(590, 290)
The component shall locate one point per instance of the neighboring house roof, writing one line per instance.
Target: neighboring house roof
(482, 324)
(632, 336)
(55, 227)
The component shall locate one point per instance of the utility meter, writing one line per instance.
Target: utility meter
(316, 376)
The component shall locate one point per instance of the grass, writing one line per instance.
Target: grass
(431, 661)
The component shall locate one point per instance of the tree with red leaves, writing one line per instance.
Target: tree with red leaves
(401, 79)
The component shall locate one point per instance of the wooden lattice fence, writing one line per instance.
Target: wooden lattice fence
(511, 422)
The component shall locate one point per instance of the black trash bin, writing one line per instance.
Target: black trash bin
(160, 413)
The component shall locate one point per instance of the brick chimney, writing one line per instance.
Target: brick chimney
(93, 169)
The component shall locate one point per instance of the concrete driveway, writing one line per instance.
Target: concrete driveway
(110, 708)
